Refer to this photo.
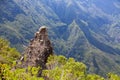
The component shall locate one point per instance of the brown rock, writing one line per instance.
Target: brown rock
(38, 50)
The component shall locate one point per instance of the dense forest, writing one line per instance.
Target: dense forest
(59, 68)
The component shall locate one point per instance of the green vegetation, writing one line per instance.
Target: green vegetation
(86, 33)
(8, 73)
(58, 68)
(61, 68)
(7, 54)
(8, 70)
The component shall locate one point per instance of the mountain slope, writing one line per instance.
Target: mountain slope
(86, 30)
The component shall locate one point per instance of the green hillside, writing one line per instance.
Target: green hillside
(85, 30)
(59, 68)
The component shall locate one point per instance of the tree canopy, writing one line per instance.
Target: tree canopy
(58, 68)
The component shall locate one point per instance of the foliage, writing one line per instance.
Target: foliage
(58, 68)
(67, 69)
(8, 73)
(100, 27)
(7, 54)
(94, 77)
(61, 68)
(112, 76)
(8, 70)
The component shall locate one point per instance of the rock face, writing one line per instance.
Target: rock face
(38, 50)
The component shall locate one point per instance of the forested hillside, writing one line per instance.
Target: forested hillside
(59, 68)
(87, 30)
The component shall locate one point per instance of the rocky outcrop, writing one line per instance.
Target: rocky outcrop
(38, 50)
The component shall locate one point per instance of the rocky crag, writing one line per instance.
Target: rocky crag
(38, 50)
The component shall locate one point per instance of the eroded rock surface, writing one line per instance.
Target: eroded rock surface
(38, 50)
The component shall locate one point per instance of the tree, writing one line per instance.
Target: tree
(64, 69)
(112, 76)
(7, 54)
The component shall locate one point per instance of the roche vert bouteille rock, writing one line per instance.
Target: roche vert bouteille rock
(38, 51)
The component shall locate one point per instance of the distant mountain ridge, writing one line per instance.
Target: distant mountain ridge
(87, 30)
